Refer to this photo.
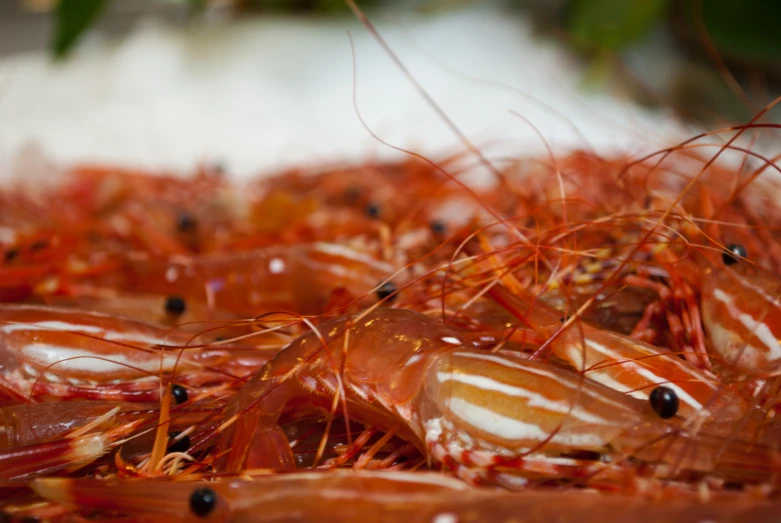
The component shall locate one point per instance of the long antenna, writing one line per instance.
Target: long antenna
(445, 118)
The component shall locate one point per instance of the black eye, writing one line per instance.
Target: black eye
(179, 393)
(180, 445)
(185, 222)
(202, 502)
(386, 290)
(373, 210)
(664, 401)
(175, 305)
(10, 254)
(438, 227)
(733, 253)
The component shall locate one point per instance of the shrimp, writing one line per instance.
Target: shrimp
(619, 361)
(741, 311)
(298, 496)
(298, 278)
(166, 311)
(41, 262)
(160, 214)
(739, 308)
(342, 496)
(616, 360)
(55, 353)
(348, 201)
(490, 417)
(704, 288)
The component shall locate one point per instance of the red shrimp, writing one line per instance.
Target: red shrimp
(619, 361)
(343, 496)
(371, 194)
(741, 311)
(397, 492)
(297, 278)
(613, 359)
(189, 316)
(41, 262)
(494, 418)
(55, 353)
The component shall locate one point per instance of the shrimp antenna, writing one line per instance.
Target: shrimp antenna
(419, 88)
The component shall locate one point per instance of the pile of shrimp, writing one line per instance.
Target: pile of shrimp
(581, 337)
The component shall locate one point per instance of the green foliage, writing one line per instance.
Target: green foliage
(741, 29)
(746, 30)
(320, 7)
(72, 19)
(612, 24)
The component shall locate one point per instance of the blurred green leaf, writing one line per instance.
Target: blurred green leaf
(746, 30)
(73, 18)
(318, 7)
(612, 24)
(597, 73)
(197, 5)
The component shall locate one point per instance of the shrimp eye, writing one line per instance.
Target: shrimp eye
(733, 253)
(664, 401)
(10, 254)
(373, 210)
(179, 393)
(178, 445)
(438, 227)
(387, 290)
(185, 222)
(202, 502)
(175, 305)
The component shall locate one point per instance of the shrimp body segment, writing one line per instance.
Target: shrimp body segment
(488, 416)
(741, 311)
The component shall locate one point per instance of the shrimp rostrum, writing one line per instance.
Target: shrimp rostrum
(490, 417)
